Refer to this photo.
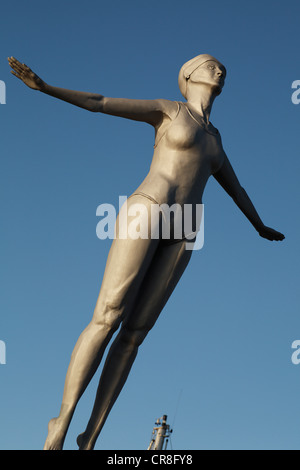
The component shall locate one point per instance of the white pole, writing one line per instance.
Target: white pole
(159, 434)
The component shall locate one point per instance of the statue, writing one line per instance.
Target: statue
(141, 274)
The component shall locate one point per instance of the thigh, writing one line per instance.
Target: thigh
(128, 261)
(166, 269)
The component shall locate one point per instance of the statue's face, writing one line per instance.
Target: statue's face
(212, 73)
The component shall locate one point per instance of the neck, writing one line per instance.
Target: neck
(202, 100)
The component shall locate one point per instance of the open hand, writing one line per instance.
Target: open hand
(270, 234)
(25, 74)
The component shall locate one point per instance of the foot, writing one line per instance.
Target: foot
(56, 435)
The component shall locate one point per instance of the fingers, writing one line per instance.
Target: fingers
(272, 235)
(15, 74)
(15, 64)
(21, 69)
(14, 61)
(278, 236)
(275, 237)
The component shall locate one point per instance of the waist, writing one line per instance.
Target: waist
(173, 221)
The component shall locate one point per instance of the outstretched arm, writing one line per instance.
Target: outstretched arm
(227, 178)
(89, 101)
(150, 111)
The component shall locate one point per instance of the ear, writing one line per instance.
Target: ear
(188, 71)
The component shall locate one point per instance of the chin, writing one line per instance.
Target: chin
(218, 90)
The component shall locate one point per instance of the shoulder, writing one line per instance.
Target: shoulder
(168, 107)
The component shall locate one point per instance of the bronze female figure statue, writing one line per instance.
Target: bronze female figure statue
(141, 274)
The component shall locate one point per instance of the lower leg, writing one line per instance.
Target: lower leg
(115, 372)
(166, 269)
(85, 360)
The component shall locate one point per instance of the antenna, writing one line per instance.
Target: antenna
(160, 432)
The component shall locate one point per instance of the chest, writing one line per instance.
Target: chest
(194, 143)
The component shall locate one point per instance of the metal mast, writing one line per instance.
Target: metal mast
(160, 432)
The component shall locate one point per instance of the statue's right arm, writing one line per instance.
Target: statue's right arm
(150, 111)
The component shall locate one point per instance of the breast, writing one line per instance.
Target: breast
(180, 136)
(196, 147)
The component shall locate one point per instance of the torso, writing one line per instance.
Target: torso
(185, 155)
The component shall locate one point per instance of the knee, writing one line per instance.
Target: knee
(109, 314)
(133, 337)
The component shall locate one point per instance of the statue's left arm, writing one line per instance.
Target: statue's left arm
(227, 178)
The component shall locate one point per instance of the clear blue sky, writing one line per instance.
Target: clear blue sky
(218, 362)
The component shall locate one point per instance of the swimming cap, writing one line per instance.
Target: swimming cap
(189, 67)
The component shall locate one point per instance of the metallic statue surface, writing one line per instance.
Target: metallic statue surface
(141, 274)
